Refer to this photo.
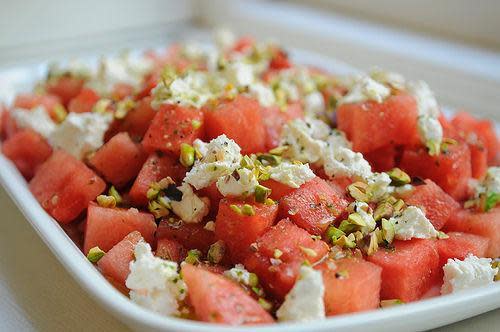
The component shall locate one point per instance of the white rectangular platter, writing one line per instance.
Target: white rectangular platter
(416, 316)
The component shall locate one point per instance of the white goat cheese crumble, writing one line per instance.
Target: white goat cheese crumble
(262, 93)
(343, 162)
(413, 223)
(241, 185)
(364, 89)
(468, 273)
(304, 302)
(292, 175)
(81, 133)
(36, 119)
(239, 274)
(191, 208)
(155, 283)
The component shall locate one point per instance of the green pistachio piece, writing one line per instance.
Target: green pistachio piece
(187, 155)
(115, 194)
(60, 113)
(216, 252)
(492, 199)
(262, 193)
(398, 177)
(399, 206)
(196, 124)
(346, 241)
(358, 191)
(269, 202)
(157, 209)
(383, 210)
(269, 159)
(390, 303)
(236, 209)
(356, 219)
(388, 231)
(95, 254)
(333, 233)
(433, 147)
(266, 305)
(247, 210)
(253, 280)
(279, 150)
(308, 251)
(277, 253)
(106, 201)
(193, 257)
(373, 245)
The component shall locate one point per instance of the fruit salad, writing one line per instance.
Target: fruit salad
(228, 184)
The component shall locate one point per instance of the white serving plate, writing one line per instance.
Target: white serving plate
(418, 316)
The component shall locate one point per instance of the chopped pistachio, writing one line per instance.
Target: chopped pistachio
(346, 227)
(399, 206)
(269, 202)
(434, 147)
(60, 113)
(95, 254)
(247, 162)
(388, 230)
(373, 245)
(210, 226)
(106, 201)
(115, 194)
(236, 209)
(247, 210)
(279, 150)
(390, 303)
(164, 201)
(266, 305)
(398, 177)
(442, 235)
(495, 264)
(308, 251)
(262, 193)
(346, 241)
(196, 124)
(358, 190)
(123, 107)
(383, 210)
(193, 257)
(101, 106)
(492, 199)
(334, 233)
(216, 252)
(277, 253)
(269, 159)
(253, 280)
(356, 219)
(187, 155)
(157, 209)
(152, 193)
(342, 274)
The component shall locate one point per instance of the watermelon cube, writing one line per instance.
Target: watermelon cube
(409, 270)
(241, 120)
(384, 158)
(64, 186)
(65, 87)
(459, 245)
(214, 195)
(172, 126)
(313, 206)
(278, 189)
(119, 160)
(351, 285)
(274, 119)
(156, 167)
(395, 120)
(29, 101)
(486, 224)
(108, 226)
(115, 263)
(437, 205)
(190, 236)
(451, 170)
(479, 160)
(238, 231)
(84, 101)
(279, 253)
(217, 299)
(27, 150)
(138, 120)
(170, 249)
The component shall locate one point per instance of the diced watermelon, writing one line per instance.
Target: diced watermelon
(172, 126)
(459, 245)
(241, 120)
(239, 231)
(437, 205)
(485, 224)
(408, 270)
(119, 160)
(278, 189)
(451, 170)
(217, 299)
(295, 246)
(479, 160)
(84, 101)
(108, 226)
(214, 195)
(313, 206)
(280, 60)
(154, 169)
(29, 101)
(138, 120)
(115, 264)
(243, 44)
(191, 236)
(383, 159)
(65, 87)
(395, 121)
(351, 285)
(121, 91)
(64, 186)
(484, 130)
(170, 249)
(28, 150)
(274, 119)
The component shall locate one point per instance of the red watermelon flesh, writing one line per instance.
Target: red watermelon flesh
(278, 189)
(115, 264)
(239, 231)
(437, 205)
(27, 150)
(479, 160)
(191, 236)
(64, 186)
(138, 120)
(459, 245)
(409, 270)
(154, 169)
(274, 119)
(217, 299)
(313, 206)
(119, 160)
(241, 120)
(84, 101)
(294, 244)
(214, 195)
(450, 170)
(170, 249)
(371, 125)
(486, 224)
(29, 101)
(108, 226)
(351, 285)
(65, 87)
(383, 159)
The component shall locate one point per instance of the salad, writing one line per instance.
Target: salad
(225, 183)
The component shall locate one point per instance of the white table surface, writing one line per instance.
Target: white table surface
(37, 294)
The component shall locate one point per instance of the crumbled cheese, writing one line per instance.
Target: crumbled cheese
(237, 186)
(314, 103)
(363, 210)
(364, 89)
(200, 146)
(388, 78)
(155, 283)
(291, 174)
(81, 133)
(239, 274)
(380, 185)
(305, 301)
(191, 208)
(240, 74)
(222, 158)
(491, 182)
(263, 93)
(343, 162)
(36, 119)
(413, 223)
(470, 273)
